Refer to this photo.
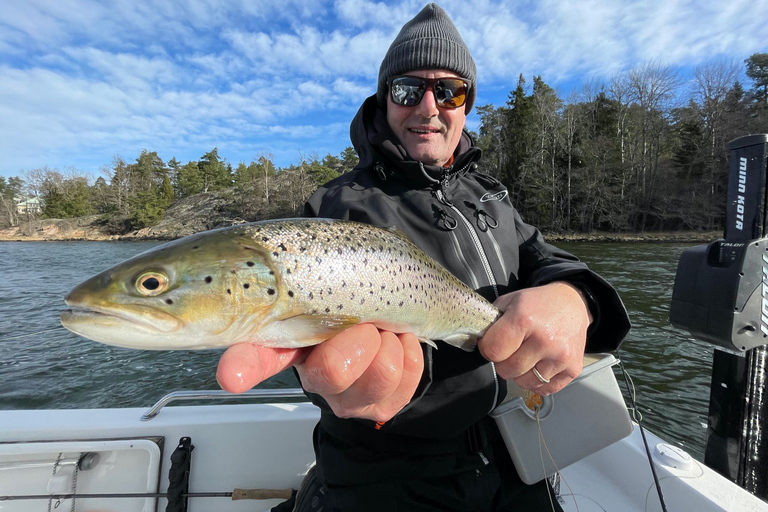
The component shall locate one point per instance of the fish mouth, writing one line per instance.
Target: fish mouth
(78, 317)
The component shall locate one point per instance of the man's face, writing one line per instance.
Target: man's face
(429, 133)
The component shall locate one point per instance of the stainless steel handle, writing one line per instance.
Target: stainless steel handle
(216, 394)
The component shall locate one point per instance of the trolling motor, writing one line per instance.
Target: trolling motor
(721, 296)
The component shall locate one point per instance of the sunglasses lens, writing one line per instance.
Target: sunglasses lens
(409, 90)
(450, 93)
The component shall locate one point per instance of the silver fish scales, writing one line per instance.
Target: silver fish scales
(282, 283)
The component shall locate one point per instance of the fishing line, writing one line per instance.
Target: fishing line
(642, 433)
(6, 338)
(557, 469)
(636, 414)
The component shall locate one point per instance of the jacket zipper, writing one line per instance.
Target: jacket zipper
(486, 265)
(460, 255)
(475, 239)
(497, 249)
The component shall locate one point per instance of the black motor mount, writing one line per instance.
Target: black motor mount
(721, 289)
(721, 296)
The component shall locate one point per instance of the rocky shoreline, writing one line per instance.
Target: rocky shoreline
(89, 229)
(190, 215)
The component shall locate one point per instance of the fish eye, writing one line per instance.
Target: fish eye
(152, 284)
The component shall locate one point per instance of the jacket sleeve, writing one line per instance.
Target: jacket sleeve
(542, 263)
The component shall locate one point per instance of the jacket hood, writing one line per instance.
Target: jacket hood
(376, 143)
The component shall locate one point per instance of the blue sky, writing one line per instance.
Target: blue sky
(83, 81)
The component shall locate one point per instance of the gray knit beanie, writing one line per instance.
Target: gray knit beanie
(429, 41)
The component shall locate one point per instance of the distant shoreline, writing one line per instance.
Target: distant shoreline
(661, 236)
(648, 236)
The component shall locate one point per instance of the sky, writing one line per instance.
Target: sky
(85, 81)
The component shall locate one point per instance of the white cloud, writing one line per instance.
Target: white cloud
(364, 13)
(310, 52)
(83, 80)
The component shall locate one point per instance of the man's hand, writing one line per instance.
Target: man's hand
(545, 327)
(361, 372)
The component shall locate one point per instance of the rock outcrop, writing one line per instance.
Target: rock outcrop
(189, 215)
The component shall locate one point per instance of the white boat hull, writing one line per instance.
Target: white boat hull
(269, 446)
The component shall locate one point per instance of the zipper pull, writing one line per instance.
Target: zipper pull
(484, 219)
(441, 196)
(380, 171)
(487, 219)
(448, 222)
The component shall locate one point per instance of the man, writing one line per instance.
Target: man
(404, 426)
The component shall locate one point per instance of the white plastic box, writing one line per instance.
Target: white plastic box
(584, 417)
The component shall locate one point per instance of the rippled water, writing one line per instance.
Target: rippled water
(671, 370)
(60, 369)
(56, 368)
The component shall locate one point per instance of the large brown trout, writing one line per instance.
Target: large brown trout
(283, 283)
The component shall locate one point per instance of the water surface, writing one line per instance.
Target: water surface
(56, 368)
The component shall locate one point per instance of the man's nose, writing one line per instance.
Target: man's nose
(427, 107)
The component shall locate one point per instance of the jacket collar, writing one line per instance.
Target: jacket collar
(379, 149)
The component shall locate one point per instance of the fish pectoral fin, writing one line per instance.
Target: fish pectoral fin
(428, 342)
(313, 329)
(465, 342)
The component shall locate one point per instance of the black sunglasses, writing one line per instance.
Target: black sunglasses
(408, 91)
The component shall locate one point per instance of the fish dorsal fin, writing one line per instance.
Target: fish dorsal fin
(398, 232)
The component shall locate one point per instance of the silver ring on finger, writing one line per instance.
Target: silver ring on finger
(539, 376)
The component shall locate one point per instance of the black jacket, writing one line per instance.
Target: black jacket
(464, 219)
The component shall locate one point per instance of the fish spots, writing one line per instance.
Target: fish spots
(229, 291)
(208, 279)
(246, 286)
(271, 291)
(168, 301)
(335, 267)
(250, 263)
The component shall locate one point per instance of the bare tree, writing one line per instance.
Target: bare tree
(570, 122)
(619, 91)
(712, 83)
(653, 88)
(546, 107)
(265, 161)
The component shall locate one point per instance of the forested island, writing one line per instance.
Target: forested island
(643, 152)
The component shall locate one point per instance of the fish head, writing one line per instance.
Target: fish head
(203, 291)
